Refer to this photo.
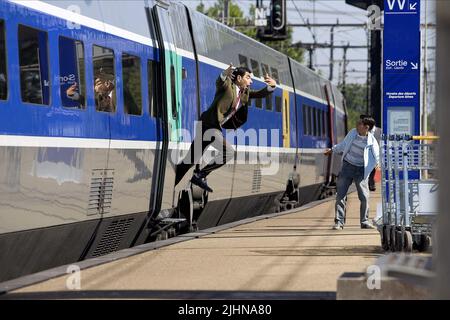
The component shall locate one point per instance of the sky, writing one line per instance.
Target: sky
(330, 11)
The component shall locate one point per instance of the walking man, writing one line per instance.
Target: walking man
(360, 155)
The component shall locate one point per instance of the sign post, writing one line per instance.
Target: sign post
(401, 67)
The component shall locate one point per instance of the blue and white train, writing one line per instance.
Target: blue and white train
(79, 181)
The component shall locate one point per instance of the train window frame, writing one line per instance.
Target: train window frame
(47, 44)
(173, 91)
(243, 61)
(266, 68)
(5, 60)
(310, 122)
(320, 119)
(324, 134)
(97, 108)
(304, 119)
(124, 83)
(259, 103)
(255, 66)
(151, 88)
(269, 103)
(274, 74)
(83, 106)
(278, 104)
(316, 122)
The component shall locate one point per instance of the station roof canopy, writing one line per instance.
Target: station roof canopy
(364, 4)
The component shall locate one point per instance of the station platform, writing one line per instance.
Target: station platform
(288, 255)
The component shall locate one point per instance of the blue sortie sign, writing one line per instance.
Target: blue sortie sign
(401, 69)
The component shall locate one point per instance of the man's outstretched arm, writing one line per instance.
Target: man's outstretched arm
(225, 78)
(271, 85)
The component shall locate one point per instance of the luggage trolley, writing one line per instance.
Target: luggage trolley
(409, 192)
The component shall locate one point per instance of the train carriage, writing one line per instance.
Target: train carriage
(81, 177)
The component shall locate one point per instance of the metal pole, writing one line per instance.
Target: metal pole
(331, 53)
(441, 253)
(368, 106)
(425, 77)
(225, 13)
(344, 74)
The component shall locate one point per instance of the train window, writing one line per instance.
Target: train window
(258, 103)
(265, 69)
(255, 68)
(34, 67)
(309, 119)
(256, 72)
(131, 74)
(243, 61)
(173, 91)
(72, 73)
(275, 74)
(105, 79)
(278, 102)
(3, 73)
(151, 88)
(320, 120)
(269, 102)
(316, 122)
(305, 120)
(326, 123)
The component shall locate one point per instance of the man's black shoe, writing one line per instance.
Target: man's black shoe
(367, 225)
(199, 180)
(372, 188)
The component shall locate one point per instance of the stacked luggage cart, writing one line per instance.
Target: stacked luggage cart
(409, 192)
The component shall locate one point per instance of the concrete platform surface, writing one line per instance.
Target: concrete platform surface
(297, 252)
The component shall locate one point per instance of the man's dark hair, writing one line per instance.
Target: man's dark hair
(367, 121)
(240, 71)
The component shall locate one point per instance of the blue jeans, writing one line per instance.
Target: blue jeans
(347, 176)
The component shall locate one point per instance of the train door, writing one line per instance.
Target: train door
(331, 133)
(170, 76)
(286, 120)
(171, 64)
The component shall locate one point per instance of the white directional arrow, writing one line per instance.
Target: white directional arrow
(415, 66)
(412, 6)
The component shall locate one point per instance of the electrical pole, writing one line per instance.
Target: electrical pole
(226, 11)
(441, 254)
(368, 105)
(344, 74)
(331, 52)
(425, 79)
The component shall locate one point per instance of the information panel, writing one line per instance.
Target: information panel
(401, 69)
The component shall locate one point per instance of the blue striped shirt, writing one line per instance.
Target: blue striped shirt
(355, 155)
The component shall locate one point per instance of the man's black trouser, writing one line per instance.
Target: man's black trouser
(372, 178)
(205, 135)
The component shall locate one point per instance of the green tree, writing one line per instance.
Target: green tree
(237, 17)
(355, 97)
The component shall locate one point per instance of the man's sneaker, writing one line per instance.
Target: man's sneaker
(338, 226)
(372, 188)
(367, 226)
(199, 180)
